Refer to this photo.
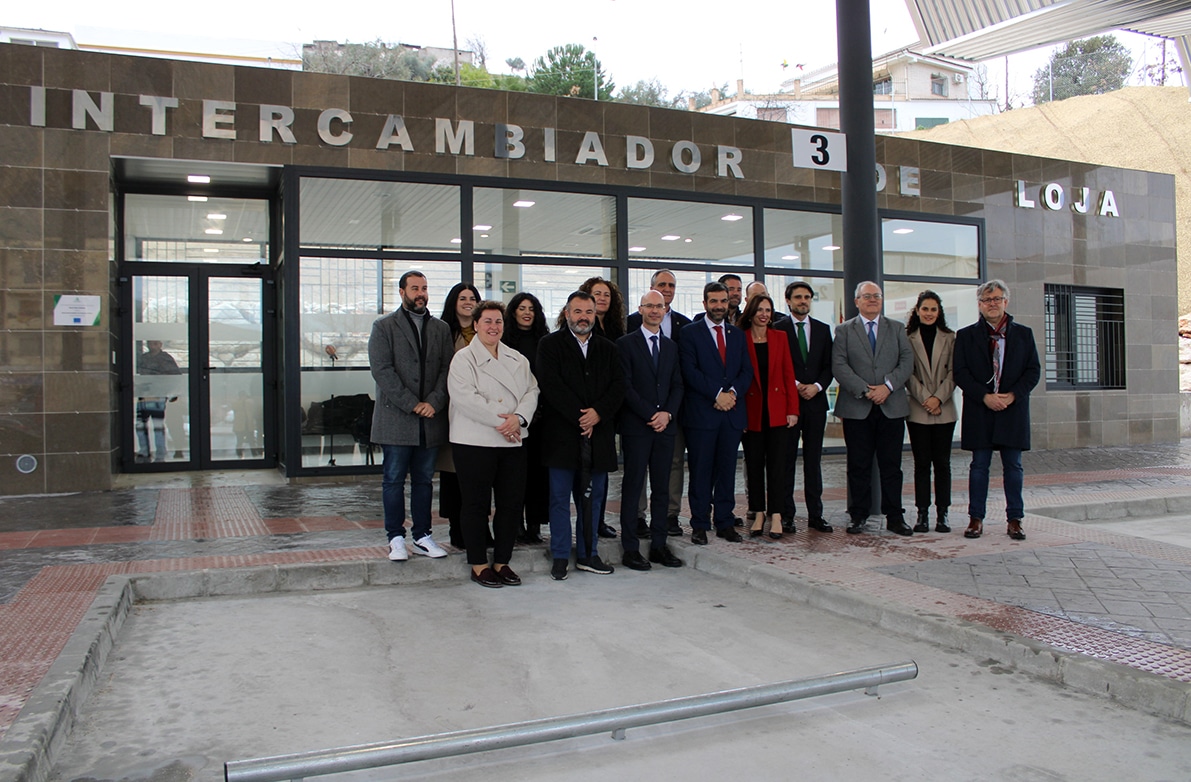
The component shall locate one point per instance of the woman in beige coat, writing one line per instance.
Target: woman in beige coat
(493, 399)
(932, 408)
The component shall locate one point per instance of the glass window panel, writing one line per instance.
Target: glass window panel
(688, 289)
(930, 249)
(550, 283)
(803, 240)
(236, 380)
(161, 365)
(361, 214)
(212, 230)
(536, 222)
(680, 230)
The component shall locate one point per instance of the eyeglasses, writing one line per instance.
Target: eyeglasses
(871, 296)
(653, 306)
(993, 300)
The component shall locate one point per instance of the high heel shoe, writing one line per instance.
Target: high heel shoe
(775, 526)
(758, 527)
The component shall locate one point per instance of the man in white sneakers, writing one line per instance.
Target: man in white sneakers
(410, 353)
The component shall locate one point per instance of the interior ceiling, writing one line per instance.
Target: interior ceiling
(981, 29)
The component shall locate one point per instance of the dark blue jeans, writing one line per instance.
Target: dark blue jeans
(418, 463)
(978, 483)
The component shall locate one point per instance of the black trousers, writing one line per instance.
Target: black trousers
(883, 437)
(765, 468)
(809, 430)
(647, 457)
(931, 446)
(537, 484)
(482, 472)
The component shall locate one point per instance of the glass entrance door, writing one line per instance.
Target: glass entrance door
(199, 349)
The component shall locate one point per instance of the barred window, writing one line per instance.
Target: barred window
(1085, 337)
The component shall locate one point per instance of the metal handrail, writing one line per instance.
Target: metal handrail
(388, 753)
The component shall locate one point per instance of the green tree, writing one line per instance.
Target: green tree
(376, 59)
(570, 70)
(474, 76)
(1092, 66)
(648, 93)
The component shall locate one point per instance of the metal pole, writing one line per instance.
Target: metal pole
(615, 721)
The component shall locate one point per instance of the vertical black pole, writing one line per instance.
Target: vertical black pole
(859, 197)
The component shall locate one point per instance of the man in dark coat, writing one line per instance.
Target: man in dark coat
(410, 354)
(996, 364)
(582, 386)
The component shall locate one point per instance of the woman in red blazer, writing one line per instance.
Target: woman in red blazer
(772, 402)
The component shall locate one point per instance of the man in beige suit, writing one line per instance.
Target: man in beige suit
(932, 408)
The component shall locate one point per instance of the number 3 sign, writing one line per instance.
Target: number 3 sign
(819, 149)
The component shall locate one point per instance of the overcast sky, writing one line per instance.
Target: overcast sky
(686, 46)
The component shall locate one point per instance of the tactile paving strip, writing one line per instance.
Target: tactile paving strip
(205, 513)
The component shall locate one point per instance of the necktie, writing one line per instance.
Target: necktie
(802, 341)
(719, 343)
(872, 335)
(654, 350)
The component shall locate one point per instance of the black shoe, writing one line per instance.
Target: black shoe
(508, 577)
(559, 571)
(642, 529)
(606, 531)
(529, 538)
(673, 529)
(699, 537)
(856, 526)
(821, 525)
(634, 561)
(729, 534)
(941, 524)
(594, 565)
(737, 521)
(487, 578)
(923, 524)
(664, 557)
(788, 525)
(898, 527)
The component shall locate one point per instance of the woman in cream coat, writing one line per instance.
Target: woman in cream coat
(932, 407)
(493, 399)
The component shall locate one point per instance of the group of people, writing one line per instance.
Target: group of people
(521, 421)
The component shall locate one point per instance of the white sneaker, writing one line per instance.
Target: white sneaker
(397, 551)
(427, 547)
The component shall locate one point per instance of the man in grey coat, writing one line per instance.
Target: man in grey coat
(410, 353)
(871, 359)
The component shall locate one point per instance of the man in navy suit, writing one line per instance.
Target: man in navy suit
(652, 396)
(810, 347)
(716, 371)
(664, 282)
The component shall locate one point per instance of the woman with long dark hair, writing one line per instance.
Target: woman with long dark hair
(932, 408)
(609, 305)
(772, 401)
(458, 312)
(525, 325)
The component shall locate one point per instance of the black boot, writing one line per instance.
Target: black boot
(941, 524)
(923, 525)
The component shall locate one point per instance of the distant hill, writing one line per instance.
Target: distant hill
(1145, 128)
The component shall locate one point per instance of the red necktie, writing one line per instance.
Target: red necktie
(719, 343)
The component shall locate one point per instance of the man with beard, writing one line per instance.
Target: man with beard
(716, 371)
(410, 355)
(581, 385)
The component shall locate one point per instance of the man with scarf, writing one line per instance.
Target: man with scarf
(996, 365)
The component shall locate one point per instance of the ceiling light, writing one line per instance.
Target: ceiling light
(456, 240)
(524, 204)
(731, 218)
(636, 249)
(483, 227)
(216, 216)
(671, 237)
(789, 257)
(214, 231)
(903, 230)
(210, 249)
(196, 198)
(483, 236)
(831, 247)
(688, 241)
(247, 239)
(198, 179)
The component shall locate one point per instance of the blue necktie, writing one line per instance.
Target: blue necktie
(654, 350)
(872, 335)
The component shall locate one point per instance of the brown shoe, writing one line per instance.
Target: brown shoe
(1014, 530)
(975, 528)
(487, 578)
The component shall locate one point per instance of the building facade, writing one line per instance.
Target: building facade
(191, 255)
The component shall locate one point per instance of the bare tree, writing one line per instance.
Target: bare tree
(479, 47)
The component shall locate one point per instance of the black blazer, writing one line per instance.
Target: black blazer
(817, 367)
(648, 390)
(973, 369)
(569, 383)
(677, 321)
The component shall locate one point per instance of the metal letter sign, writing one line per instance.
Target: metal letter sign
(819, 149)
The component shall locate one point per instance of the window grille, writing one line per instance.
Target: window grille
(1085, 337)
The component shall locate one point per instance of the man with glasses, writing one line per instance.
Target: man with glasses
(872, 360)
(996, 364)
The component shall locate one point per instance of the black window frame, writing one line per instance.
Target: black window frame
(1085, 336)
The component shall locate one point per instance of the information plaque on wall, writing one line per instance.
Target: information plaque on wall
(76, 310)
